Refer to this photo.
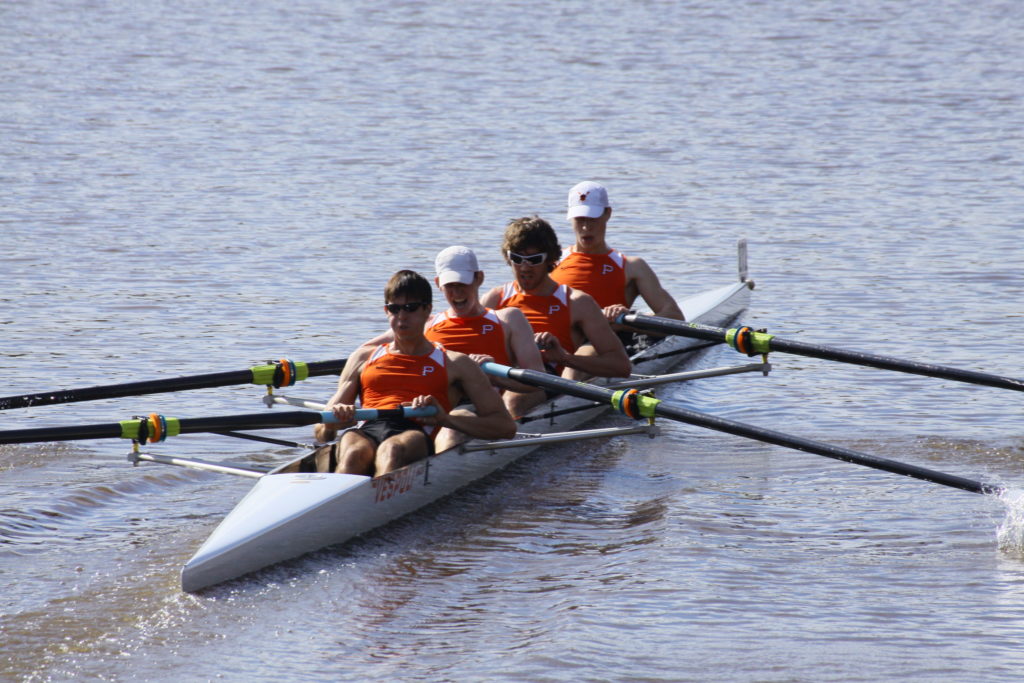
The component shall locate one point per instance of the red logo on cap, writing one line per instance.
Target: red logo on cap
(583, 197)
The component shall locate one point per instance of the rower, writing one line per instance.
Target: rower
(612, 278)
(574, 337)
(413, 371)
(484, 334)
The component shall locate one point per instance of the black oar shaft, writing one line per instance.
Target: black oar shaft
(138, 427)
(773, 343)
(204, 381)
(216, 379)
(676, 412)
(890, 363)
(109, 430)
(114, 430)
(820, 448)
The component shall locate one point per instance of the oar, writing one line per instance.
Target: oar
(279, 374)
(157, 427)
(748, 341)
(637, 406)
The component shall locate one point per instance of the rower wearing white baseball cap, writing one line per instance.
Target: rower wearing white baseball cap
(504, 336)
(612, 278)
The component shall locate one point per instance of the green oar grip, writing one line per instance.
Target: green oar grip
(152, 429)
(632, 403)
(748, 341)
(284, 373)
(130, 429)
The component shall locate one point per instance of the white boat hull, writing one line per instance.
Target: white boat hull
(286, 515)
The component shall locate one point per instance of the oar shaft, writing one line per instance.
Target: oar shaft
(157, 386)
(109, 430)
(268, 420)
(681, 414)
(215, 379)
(820, 448)
(773, 343)
(890, 363)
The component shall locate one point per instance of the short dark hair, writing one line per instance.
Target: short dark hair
(532, 231)
(408, 284)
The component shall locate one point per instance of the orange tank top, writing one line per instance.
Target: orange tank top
(481, 334)
(602, 276)
(549, 313)
(391, 379)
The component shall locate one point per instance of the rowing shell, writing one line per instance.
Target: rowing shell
(288, 513)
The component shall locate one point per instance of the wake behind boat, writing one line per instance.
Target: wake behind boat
(291, 512)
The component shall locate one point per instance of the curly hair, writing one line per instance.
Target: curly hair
(532, 232)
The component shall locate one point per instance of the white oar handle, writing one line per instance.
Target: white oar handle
(373, 413)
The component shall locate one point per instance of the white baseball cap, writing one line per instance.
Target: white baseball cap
(588, 199)
(456, 264)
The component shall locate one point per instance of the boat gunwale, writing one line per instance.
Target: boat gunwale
(386, 511)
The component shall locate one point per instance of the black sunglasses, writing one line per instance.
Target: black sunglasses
(532, 259)
(410, 307)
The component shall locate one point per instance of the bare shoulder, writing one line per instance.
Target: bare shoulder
(354, 365)
(578, 295)
(459, 362)
(511, 315)
(583, 303)
(637, 267)
(361, 354)
(493, 297)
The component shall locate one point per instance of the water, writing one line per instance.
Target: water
(196, 187)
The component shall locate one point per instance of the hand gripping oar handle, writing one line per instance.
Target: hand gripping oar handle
(638, 406)
(157, 427)
(374, 413)
(752, 343)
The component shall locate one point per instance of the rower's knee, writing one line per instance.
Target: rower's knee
(354, 455)
(447, 438)
(520, 403)
(400, 450)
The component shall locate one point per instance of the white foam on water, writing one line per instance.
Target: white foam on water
(1010, 533)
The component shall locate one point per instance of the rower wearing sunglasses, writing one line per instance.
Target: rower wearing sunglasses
(503, 336)
(574, 337)
(411, 371)
(613, 279)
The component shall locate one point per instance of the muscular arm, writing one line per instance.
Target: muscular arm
(609, 359)
(523, 351)
(641, 280)
(492, 420)
(348, 390)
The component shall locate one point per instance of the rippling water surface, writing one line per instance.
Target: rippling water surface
(195, 187)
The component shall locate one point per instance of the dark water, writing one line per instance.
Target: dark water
(195, 187)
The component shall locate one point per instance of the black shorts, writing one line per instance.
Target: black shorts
(381, 428)
(375, 430)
